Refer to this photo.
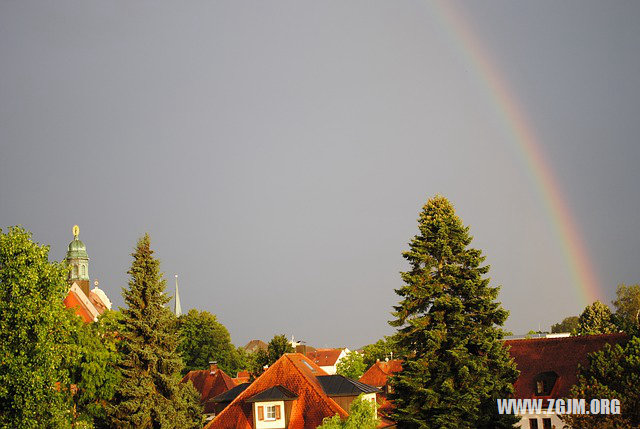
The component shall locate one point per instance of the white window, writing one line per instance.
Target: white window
(271, 412)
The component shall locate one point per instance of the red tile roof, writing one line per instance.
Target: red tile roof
(243, 377)
(210, 383)
(324, 357)
(379, 372)
(560, 355)
(72, 300)
(296, 373)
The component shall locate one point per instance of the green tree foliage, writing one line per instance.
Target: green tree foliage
(449, 319)
(596, 319)
(382, 349)
(204, 339)
(34, 385)
(93, 367)
(150, 394)
(351, 366)
(627, 306)
(278, 346)
(568, 324)
(257, 361)
(613, 372)
(362, 415)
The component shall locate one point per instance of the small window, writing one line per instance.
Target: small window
(271, 412)
(546, 423)
(544, 383)
(84, 270)
(533, 423)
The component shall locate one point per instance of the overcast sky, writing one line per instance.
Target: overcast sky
(279, 152)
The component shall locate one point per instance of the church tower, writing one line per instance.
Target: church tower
(78, 262)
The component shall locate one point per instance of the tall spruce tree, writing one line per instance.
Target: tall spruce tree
(150, 395)
(449, 322)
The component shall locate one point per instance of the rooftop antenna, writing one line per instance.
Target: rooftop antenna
(176, 308)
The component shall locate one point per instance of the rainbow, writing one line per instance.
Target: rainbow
(522, 134)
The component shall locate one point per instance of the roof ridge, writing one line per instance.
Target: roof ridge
(589, 337)
(318, 389)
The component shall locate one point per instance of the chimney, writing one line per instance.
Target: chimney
(213, 366)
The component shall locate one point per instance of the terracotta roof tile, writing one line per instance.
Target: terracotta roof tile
(379, 372)
(296, 373)
(210, 383)
(560, 355)
(325, 357)
(72, 300)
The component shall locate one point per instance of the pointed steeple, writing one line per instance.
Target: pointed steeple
(176, 305)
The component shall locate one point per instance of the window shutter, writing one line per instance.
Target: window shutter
(277, 412)
(260, 413)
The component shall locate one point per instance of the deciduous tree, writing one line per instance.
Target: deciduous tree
(449, 321)
(627, 306)
(92, 366)
(204, 339)
(568, 324)
(362, 415)
(596, 319)
(34, 384)
(385, 348)
(351, 366)
(278, 346)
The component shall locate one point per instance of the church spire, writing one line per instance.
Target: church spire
(176, 307)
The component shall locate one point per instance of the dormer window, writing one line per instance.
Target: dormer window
(269, 412)
(544, 383)
(272, 412)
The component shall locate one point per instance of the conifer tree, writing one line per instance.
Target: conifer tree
(449, 322)
(150, 395)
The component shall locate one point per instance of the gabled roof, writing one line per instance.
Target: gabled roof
(275, 393)
(325, 357)
(87, 307)
(230, 394)
(338, 385)
(255, 345)
(77, 300)
(243, 377)
(379, 372)
(209, 383)
(560, 355)
(297, 374)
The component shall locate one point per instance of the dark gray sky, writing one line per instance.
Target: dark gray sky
(279, 152)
